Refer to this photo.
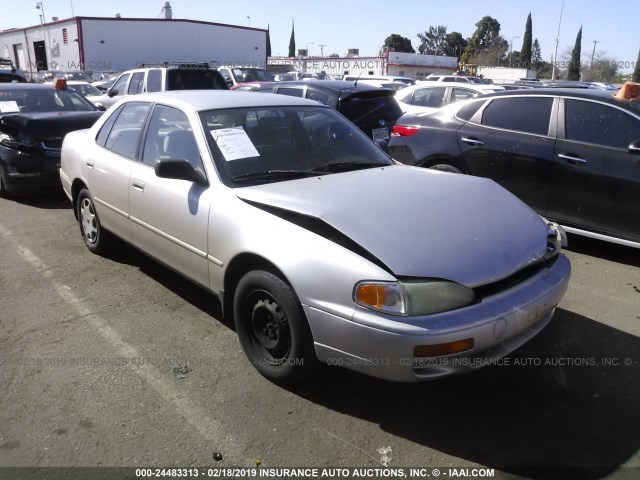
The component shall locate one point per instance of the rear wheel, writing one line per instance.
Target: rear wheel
(3, 188)
(445, 167)
(96, 238)
(273, 329)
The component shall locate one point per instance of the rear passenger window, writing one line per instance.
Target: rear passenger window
(103, 134)
(522, 114)
(318, 97)
(592, 122)
(124, 136)
(135, 86)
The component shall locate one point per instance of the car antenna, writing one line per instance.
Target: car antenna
(355, 84)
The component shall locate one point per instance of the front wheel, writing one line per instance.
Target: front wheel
(96, 238)
(273, 329)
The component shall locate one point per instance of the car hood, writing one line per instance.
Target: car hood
(50, 125)
(416, 222)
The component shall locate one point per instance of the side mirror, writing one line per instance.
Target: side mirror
(113, 93)
(228, 80)
(101, 107)
(179, 169)
(634, 147)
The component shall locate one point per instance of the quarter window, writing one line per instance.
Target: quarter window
(522, 114)
(124, 136)
(592, 122)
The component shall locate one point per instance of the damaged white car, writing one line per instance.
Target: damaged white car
(318, 245)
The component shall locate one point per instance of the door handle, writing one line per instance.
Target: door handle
(474, 142)
(572, 159)
(90, 163)
(137, 185)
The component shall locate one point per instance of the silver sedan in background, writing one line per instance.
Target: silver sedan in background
(318, 245)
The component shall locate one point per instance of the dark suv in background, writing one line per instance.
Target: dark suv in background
(372, 109)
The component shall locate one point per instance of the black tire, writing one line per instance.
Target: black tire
(445, 167)
(273, 329)
(3, 188)
(96, 238)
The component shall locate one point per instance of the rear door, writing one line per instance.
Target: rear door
(596, 181)
(509, 141)
(108, 166)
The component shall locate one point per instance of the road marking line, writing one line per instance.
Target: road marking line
(197, 416)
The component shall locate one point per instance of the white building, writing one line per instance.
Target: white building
(96, 43)
(391, 63)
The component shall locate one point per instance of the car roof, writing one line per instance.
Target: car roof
(201, 100)
(587, 93)
(23, 86)
(329, 85)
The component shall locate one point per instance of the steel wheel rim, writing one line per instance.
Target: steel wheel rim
(88, 220)
(268, 328)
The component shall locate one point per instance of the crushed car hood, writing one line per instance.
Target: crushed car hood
(49, 125)
(417, 222)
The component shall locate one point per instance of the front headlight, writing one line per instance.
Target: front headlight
(20, 141)
(413, 297)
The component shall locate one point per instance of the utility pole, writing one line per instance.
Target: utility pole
(555, 58)
(595, 42)
(322, 45)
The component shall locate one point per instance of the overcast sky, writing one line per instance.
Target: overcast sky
(364, 24)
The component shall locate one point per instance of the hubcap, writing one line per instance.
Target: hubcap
(88, 220)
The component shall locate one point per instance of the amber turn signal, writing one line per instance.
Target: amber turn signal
(443, 348)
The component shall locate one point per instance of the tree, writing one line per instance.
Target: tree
(573, 72)
(454, 44)
(494, 53)
(433, 40)
(525, 52)
(486, 34)
(268, 42)
(602, 69)
(542, 68)
(292, 42)
(636, 72)
(398, 43)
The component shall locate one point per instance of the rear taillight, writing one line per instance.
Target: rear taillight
(404, 130)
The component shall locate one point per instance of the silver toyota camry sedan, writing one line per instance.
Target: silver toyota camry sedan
(319, 246)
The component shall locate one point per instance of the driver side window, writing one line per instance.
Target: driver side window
(170, 136)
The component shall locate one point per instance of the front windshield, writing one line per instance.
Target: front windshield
(251, 75)
(40, 100)
(267, 144)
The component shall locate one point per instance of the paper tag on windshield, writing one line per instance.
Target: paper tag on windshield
(234, 143)
(9, 107)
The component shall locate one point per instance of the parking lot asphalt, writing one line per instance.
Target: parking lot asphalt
(117, 361)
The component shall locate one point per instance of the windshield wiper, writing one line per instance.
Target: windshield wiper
(343, 166)
(279, 174)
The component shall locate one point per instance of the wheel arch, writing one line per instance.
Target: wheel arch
(456, 162)
(76, 187)
(239, 266)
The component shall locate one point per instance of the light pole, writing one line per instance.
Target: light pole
(307, 48)
(511, 53)
(249, 20)
(555, 57)
(595, 42)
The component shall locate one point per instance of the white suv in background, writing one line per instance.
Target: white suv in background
(429, 96)
(159, 78)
